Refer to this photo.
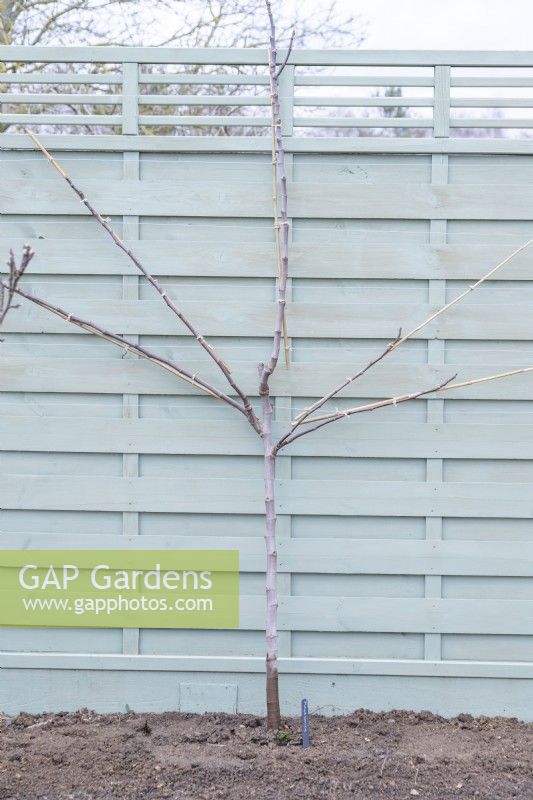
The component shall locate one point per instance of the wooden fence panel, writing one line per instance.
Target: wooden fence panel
(405, 536)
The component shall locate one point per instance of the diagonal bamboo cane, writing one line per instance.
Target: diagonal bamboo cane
(300, 418)
(202, 341)
(446, 386)
(139, 350)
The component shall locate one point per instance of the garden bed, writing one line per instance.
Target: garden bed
(397, 755)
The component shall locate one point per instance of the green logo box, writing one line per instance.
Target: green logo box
(119, 588)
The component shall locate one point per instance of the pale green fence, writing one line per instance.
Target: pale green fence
(406, 538)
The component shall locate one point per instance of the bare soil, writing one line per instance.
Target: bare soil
(397, 756)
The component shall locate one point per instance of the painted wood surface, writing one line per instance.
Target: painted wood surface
(139, 99)
(230, 200)
(250, 259)
(247, 144)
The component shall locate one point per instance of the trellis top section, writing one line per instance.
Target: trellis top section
(244, 56)
(215, 92)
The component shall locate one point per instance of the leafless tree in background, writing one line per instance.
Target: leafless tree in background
(181, 23)
(177, 23)
(192, 23)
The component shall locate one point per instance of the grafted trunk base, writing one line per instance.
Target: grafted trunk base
(272, 693)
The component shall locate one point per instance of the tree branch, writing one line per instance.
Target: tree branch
(319, 403)
(326, 419)
(250, 414)
(447, 385)
(289, 51)
(275, 200)
(9, 289)
(127, 346)
(283, 222)
(302, 418)
(52, 20)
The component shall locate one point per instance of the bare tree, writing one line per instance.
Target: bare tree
(183, 23)
(233, 395)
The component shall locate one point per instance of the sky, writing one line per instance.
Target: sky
(446, 24)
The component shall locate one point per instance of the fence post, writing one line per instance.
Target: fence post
(286, 98)
(130, 98)
(436, 347)
(441, 101)
(130, 291)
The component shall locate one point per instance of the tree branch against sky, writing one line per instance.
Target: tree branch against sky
(183, 23)
(177, 23)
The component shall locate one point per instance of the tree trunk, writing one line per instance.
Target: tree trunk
(272, 690)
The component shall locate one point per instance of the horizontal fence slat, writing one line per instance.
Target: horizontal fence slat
(244, 496)
(414, 58)
(141, 55)
(483, 122)
(206, 78)
(59, 78)
(259, 56)
(260, 144)
(362, 122)
(251, 551)
(126, 494)
(492, 102)
(352, 320)
(251, 664)
(60, 98)
(504, 81)
(60, 119)
(392, 615)
(129, 436)
(329, 556)
(242, 199)
(366, 102)
(348, 498)
(362, 80)
(253, 260)
(393, 557)
(125, 375)
(212, 437)
(193, 119)
(203, 100)
(398, 615)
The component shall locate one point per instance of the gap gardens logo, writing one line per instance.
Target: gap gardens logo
(119, 588)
